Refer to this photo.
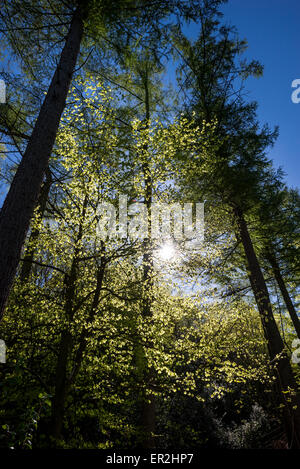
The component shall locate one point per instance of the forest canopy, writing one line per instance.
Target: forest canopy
(118, 124)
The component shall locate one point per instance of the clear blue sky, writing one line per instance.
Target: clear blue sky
(272, 29)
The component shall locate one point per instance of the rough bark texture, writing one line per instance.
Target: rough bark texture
(22, 197)
(284, 292)
(278, 356)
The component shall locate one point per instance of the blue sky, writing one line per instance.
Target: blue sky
(272, 29)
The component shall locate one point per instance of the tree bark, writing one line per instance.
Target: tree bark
(58, 401)
(65, 346)
(85, 334)
(66, 341)
(148, 418)
(63, 382)
(285, 378)
(284, 292)
(22, 197)
(143, 374)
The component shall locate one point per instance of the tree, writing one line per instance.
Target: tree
(237, 172)
(22, 197)
(20, 202)
(277, 227)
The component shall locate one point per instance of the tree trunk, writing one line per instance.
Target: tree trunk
(144, 376)
(22, 197)
(65, 347)
(85, 334)
(286, 380)
(285, 294)
(66, 341)
(148, 419)
(149, 423)
(148, 405)
(58, 401)
(63, 382)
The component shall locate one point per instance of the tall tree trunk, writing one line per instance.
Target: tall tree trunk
(65, 347)
(63, 381)
(59, 398)
(284, 292)
(148, 406)
(41, 207)
(86, 333)
(66, 340)
(22, 197)
(285, 378)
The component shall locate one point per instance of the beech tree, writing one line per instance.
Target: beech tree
(22, 197)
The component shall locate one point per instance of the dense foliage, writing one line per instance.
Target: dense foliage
(120, 341)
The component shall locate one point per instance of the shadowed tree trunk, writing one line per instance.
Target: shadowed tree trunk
(66, 340)
(148, 418)
(285, 378)
(144, 375)
(63, 381)
(22, 197)
(85, 334)
(58, 402)
(284, 292)
(65, 346)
